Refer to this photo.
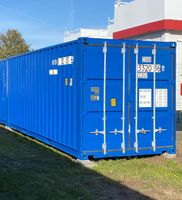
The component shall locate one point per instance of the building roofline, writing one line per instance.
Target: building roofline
(162, 25)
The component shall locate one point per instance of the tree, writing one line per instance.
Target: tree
(12, 43)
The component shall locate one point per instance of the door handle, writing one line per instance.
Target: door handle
(143, 131)
(97, 132)
(115, 132)
(160, 130)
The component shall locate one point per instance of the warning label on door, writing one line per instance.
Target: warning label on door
(161, 98)
(95, 91)
(145, 98)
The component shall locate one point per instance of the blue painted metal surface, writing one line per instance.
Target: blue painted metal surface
(3, 97)
(61, 96)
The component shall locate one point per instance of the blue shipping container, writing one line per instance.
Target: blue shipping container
(94, 98)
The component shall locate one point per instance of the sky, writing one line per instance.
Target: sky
(43, 22)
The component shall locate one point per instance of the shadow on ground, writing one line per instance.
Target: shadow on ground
(29, 171)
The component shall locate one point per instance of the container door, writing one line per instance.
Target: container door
(151, 113)
(105, 100)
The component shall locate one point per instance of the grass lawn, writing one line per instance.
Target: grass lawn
(30, 171)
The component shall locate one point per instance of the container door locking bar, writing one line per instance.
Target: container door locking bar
(104, 146)
(136, 101)
(97, 132)
(137, 131)
(159, 130)
(154, 100)
(123, 51)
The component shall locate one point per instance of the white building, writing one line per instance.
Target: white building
(90, 33)
(159, 20)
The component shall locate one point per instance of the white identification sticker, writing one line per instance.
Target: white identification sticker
(162, 98)
(145, 98)
(146, 59)
(53, 72)
(68, 60)
(142, 75)
(145, 68)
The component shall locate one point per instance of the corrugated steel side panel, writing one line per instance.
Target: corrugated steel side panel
(3, 98)
(40, 103)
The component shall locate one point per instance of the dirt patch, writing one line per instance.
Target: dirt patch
(179, 146)
(155, 190)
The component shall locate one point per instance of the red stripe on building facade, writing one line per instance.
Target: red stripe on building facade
(162, 25)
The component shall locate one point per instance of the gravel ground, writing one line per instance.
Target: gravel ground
(179, 132)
